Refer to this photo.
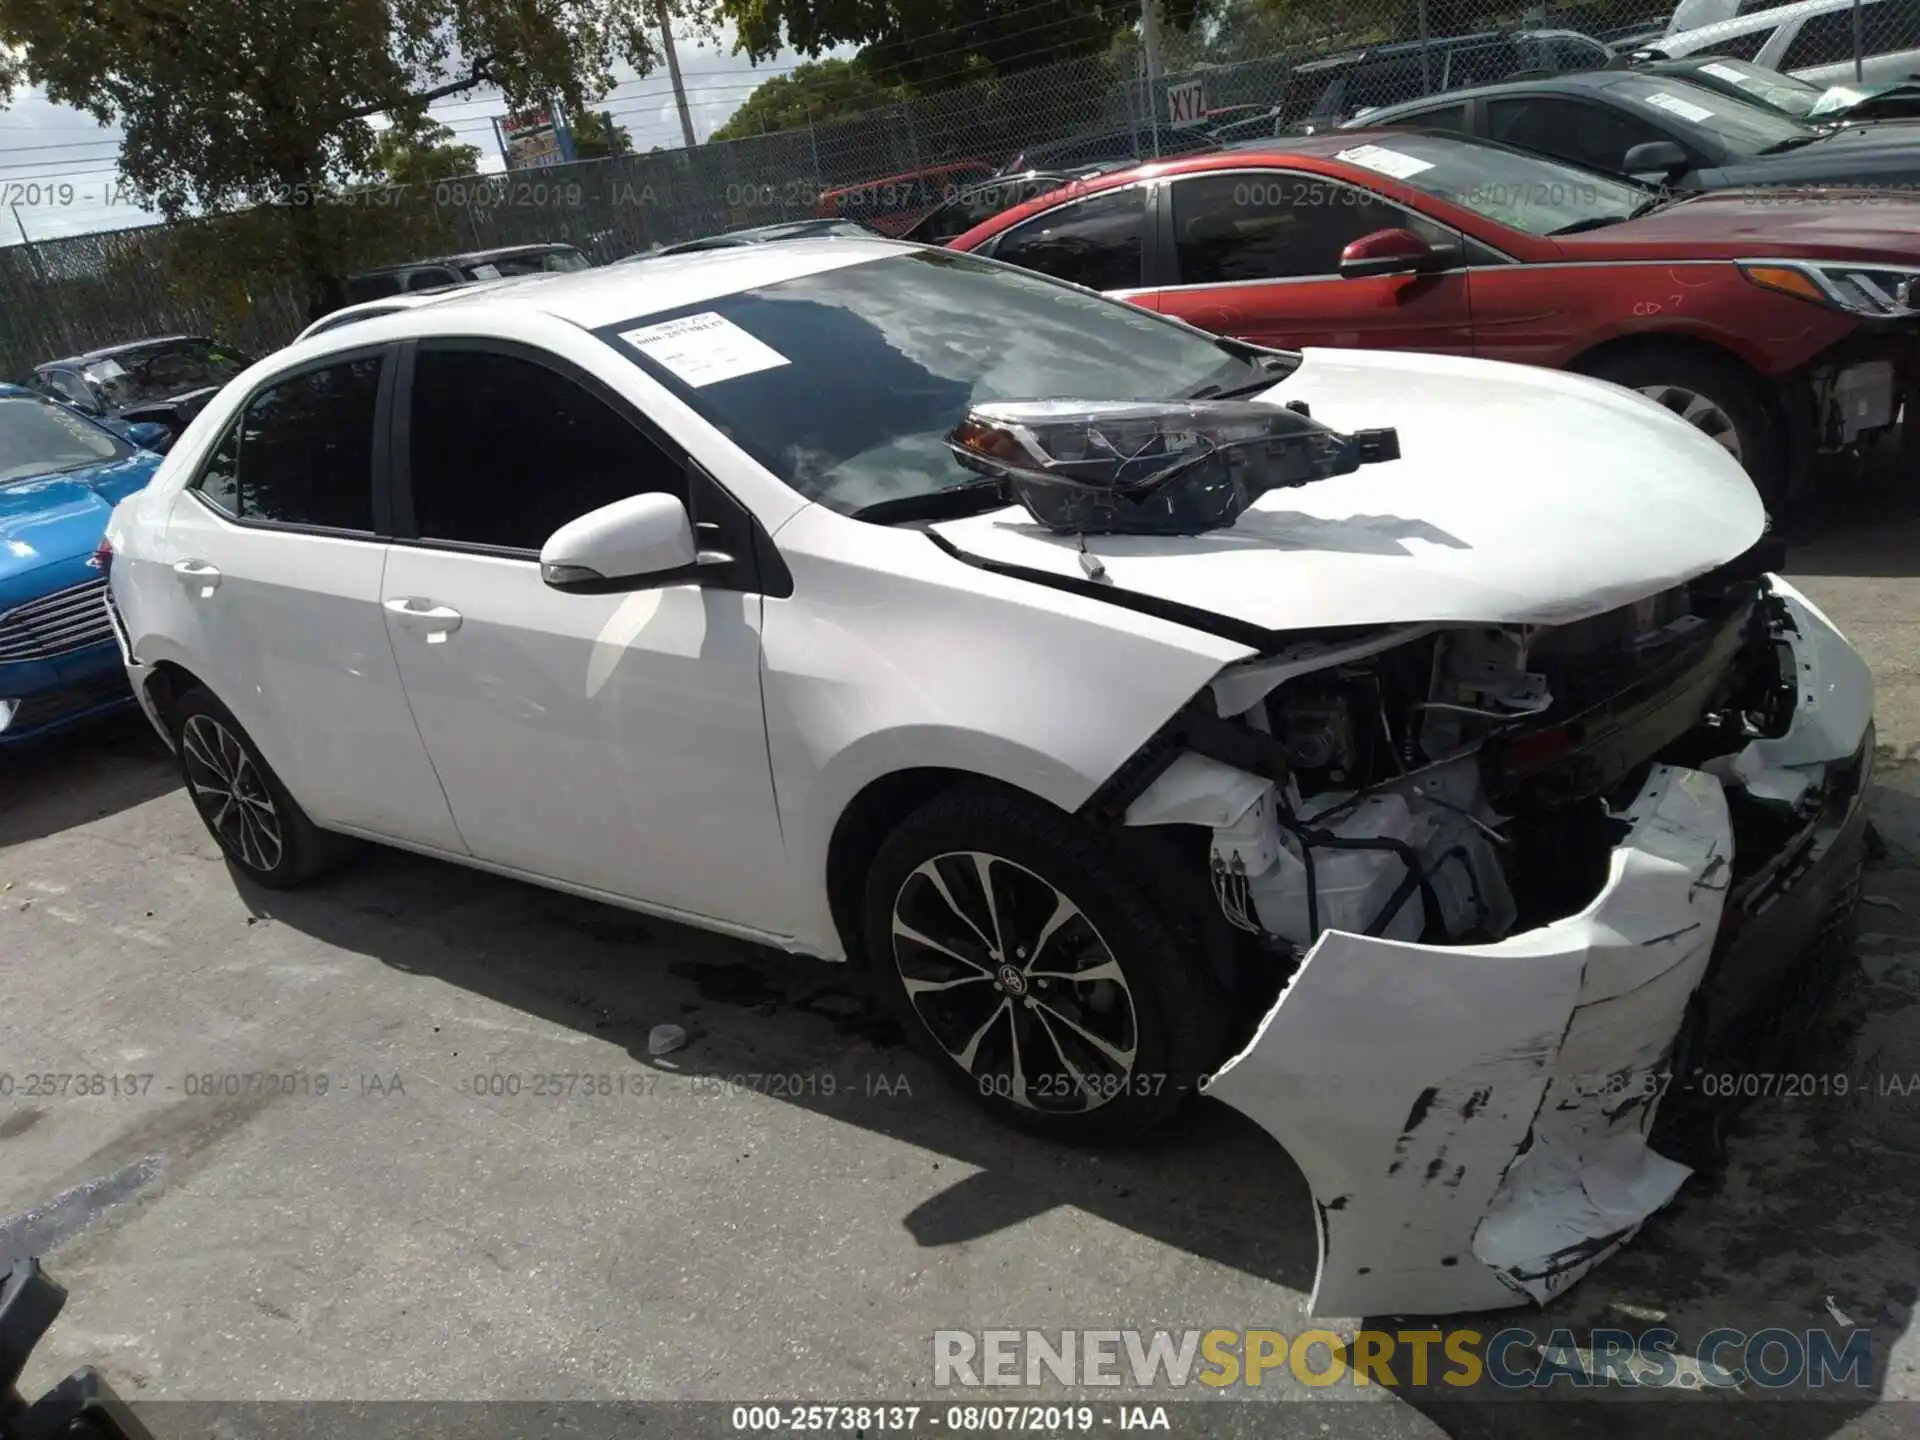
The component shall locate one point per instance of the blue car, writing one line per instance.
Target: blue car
(61, 474)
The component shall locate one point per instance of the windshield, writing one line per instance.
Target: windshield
(1741, 126)
(138, 376)
(846, 383)
(1765, 87)
(1529, 193)
(40, 437)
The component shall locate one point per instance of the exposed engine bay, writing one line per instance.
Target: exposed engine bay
(1491, 867)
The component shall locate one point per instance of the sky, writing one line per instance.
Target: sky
(57, 165)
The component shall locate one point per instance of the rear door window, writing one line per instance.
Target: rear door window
(1388, 82)
(1739, 47)
(1481, 64)
(302, 452)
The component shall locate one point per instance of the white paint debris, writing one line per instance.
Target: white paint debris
(665, 1039)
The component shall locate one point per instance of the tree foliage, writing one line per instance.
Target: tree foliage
(812, 93)
(929, 44)
(597, 135)
(415, 153)
(265, 102)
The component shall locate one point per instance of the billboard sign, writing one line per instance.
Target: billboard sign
(535, 137)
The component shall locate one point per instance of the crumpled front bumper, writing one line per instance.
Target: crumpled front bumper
(1473, 1120)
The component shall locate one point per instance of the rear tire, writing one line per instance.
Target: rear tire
(1033, 968)
(1718, 398)
(259, 827)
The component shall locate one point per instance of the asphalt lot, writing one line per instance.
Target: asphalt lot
(800, 1234)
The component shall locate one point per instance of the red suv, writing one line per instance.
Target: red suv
(1780, 322)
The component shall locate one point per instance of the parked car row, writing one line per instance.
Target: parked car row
(1777, 324)
(1152, 634)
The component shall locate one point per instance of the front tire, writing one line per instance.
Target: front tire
(1023, 958)
(260, 829)
(1718, 398)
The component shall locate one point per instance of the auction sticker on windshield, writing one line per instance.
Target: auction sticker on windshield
(1674, 105)
(105, 370)
(1724, 72)
(703, 349)
(1384, 161)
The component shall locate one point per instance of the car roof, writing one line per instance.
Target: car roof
(1570, 81)
(611, 293)
(468, 257)
(107, 352)
(761, 234)
(1770, 19)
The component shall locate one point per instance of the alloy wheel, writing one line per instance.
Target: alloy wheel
(231, 794)
(1015, 983)
(1698, 411)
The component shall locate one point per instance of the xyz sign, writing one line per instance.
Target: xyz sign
(1186, 103)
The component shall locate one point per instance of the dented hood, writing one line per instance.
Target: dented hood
(1522, 496)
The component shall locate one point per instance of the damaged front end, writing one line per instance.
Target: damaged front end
(1502, 876)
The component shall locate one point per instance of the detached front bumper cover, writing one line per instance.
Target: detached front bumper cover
(1473, 1120)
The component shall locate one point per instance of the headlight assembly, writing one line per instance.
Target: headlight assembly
(1878, 291)
(1176, 467)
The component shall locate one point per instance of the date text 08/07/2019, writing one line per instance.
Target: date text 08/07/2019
(873, 1419)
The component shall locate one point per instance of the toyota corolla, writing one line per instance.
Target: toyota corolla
(1396, 748)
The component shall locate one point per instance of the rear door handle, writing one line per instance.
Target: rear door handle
(435, 621)
(198, 575)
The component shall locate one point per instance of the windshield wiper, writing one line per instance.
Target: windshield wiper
(971, 498)
(1792, 142)
(1595, 222)
(1273, 369)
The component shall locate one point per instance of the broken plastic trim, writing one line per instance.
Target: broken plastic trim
(1093, 467)
(1472, 1120)
(1527, 770)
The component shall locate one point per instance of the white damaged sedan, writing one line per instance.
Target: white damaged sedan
(1413, 753)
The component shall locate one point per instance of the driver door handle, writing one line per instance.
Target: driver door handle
(418, 614)
(198, 575)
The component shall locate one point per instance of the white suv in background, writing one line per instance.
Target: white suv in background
(1812, 39)
(1275, 724)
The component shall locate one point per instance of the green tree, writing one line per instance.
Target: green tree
(928, 44)
(267, 102)
(596, 135)
(416, 153)
(817, 91)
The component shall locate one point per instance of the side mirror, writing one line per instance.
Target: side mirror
(1662, 158)
(150, 435)
(633, 544)
(1395, 252)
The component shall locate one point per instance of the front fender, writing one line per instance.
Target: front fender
(892, 655)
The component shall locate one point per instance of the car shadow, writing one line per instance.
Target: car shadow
(1855, 530)
(100, 768)
(1262, 529)
(803, 1031)
(1815, 1205)
(1812, 1227)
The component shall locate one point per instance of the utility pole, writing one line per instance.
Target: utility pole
(1150, 42)
(33, 254)
(673, 72)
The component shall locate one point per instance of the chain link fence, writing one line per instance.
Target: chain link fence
(229, 275)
